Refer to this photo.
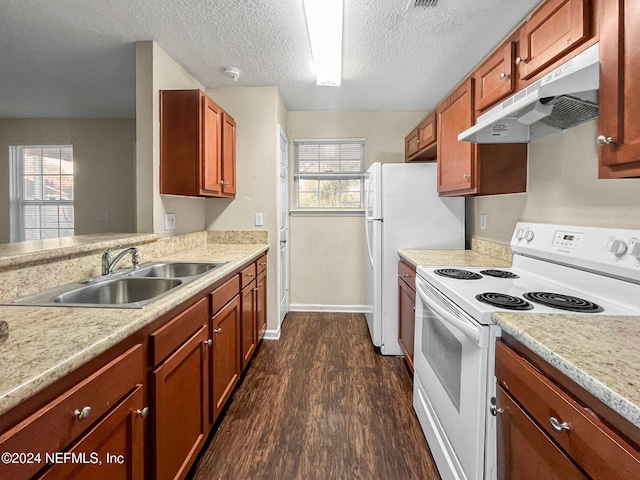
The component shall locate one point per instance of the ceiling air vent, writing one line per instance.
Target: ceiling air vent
(422, 3)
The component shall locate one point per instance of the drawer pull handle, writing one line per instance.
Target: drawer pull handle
(82, 414)
(209, 342)
(143, 413)
(249, 274)
(218, 330)
(404, 275)
(557, 426)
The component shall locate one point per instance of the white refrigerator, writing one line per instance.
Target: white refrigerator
(403, 211)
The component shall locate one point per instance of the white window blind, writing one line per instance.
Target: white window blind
(42, 192)
(329, 174)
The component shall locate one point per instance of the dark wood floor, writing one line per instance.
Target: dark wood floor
(320, 403)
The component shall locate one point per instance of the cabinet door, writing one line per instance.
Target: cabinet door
(228, 154)
(455, 158)
(211, 146)
(524, 451)
(494, 78)
(553, 31)
(406, 320)
(411, 145)
(248, 333)
(427, 136)
(226, 354)
(619, 125)
(261, 305)
(181, 391)
(113, 449)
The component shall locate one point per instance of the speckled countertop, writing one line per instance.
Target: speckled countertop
(600, 353)
(46, 343)
(464, 258)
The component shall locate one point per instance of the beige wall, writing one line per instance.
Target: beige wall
(257, 111)
(104, 168)
(327, 252)
(563, 187)
(156, 71)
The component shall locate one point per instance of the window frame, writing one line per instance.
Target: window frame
(18, 200)
(296, 209)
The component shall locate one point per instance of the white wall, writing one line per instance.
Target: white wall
(156, 71)
(104, 168)
(563, 187)
(327, 252)
(257, 112)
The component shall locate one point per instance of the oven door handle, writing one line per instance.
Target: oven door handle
(469, 330)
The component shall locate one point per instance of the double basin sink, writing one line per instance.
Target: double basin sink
(124, 289)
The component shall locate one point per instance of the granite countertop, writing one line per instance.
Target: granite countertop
(598, 352)
(463, 258)
(46, 343)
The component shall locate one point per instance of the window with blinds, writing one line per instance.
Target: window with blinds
(329, 174)
(42, 192)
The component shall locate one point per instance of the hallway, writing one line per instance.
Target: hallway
(320, 404)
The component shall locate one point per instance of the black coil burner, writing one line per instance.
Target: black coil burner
(502, 300)
(458, 274)
(563, 302)
(499, 274)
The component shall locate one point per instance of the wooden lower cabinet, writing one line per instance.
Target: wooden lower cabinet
(112, 450)
(181, 392)
(261, 304)
(248, 332)
(406, 310)
(545, 432)
(225, 360)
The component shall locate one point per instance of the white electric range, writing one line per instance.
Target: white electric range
(556, 269)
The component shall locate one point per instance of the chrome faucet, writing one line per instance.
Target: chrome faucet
(109, 262)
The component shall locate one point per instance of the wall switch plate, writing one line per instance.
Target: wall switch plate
(259, 220)
(103, 216)
(169, 221)
(483, 221)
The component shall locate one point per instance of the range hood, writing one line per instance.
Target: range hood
(566, 97)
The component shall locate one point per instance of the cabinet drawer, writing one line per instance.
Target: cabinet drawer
(224, 293)
(169, 337)
(248, 275)
(52, 428)
(594, 446)
(261, 263)
(407, 273)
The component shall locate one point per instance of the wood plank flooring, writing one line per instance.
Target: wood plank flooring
(320, 403)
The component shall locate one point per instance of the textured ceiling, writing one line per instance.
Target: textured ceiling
(76, 58)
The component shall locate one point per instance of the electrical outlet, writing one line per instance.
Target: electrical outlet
(259, 220)
(169, 221)
(483, 221)
(103, 216)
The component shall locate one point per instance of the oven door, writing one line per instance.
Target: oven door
(450, 383)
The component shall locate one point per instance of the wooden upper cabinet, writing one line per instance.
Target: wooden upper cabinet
(421, 143)
(495, 77)
(197, 146)
(619, 127)
(552, 31)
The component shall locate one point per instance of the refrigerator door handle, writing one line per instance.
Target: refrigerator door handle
(366, 233)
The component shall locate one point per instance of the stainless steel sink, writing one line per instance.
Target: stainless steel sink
(123, 289)
(176, 269)
(119, 291)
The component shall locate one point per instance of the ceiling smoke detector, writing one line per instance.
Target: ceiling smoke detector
(422, 3)
(233, 73)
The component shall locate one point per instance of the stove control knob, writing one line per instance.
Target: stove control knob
(528, 235)
(519, 233)
(615, 246)
(634, 248)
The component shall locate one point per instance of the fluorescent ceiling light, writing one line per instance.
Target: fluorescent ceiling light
(324, 22)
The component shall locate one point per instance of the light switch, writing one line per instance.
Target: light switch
(169, 221)
(483, 221)
(103, 216)
(259, 220)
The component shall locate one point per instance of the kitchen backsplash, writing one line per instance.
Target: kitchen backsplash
(238, 236)
(497, 250)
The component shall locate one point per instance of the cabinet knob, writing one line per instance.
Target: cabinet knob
(466, 176)
(259, 285)
(520, 60)
(225, 183)
(82, 414)
(557, 426)
(144, 413)
(602, 140)
(495, 410)
(404, 275)
(221, 182)
(255, 289)
(209, 342)
(218, 330)
(249, 274)
(504, 75)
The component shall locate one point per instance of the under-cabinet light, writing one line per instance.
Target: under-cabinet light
(324, 23)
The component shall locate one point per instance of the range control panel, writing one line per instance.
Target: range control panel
(606, 250)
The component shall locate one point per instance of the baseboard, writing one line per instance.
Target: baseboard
(272, 334)
(327, 308)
